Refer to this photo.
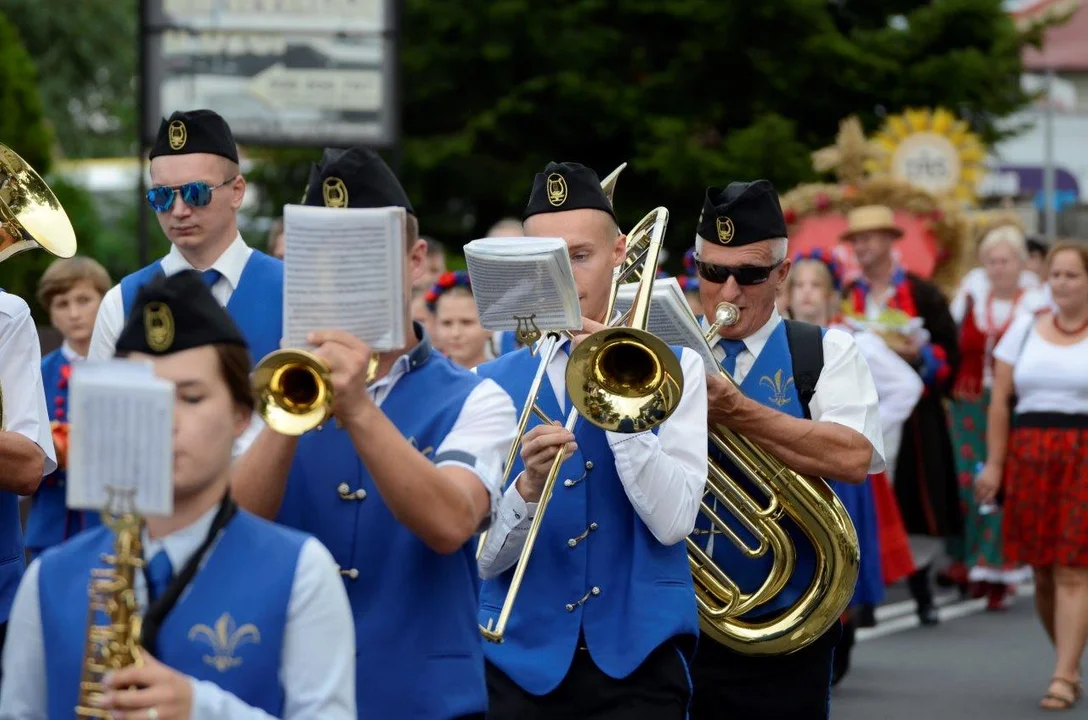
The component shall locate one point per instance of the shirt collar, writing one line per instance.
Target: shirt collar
(410, 360)
(69, 353)
(230, 264)
(754, 343)
(181, 544)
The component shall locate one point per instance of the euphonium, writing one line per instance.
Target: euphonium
(602, 390)
(113, 617)
(806, 500)
(30, 217)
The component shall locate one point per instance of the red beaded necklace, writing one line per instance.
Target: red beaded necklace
(1069, 333)
(991, 328)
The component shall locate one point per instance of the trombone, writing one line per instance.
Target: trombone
(30, 217)
(621, 378)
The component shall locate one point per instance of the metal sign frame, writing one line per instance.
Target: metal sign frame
(154, 22)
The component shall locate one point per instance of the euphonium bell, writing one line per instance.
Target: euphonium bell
(294, 391)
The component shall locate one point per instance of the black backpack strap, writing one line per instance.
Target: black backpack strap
(806, 345)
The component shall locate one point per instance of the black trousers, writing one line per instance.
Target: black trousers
(659, 689)
(784, 687)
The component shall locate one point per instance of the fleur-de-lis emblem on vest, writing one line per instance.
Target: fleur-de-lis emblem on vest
(777, 387)
(426, 452)
(224, 639)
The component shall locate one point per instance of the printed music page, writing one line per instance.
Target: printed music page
(523, 281)
(344, 270)
(121, 441)
(670, 318)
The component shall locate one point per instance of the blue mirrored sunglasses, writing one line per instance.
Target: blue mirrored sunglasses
(193, 194)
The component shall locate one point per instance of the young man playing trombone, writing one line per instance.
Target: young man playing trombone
(834, 433)
(397, 488)
(605, 619)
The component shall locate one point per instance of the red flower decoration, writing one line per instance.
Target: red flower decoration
(431, 297)
(447, 279)
(789, 215)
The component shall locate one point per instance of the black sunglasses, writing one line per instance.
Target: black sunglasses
(193, 194)
(744, 275)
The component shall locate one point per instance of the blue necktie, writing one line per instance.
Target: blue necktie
(732, 348)
(211, 277)
(159, 572)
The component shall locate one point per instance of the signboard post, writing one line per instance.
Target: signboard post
(294, 73)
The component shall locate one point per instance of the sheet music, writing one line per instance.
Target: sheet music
(670, 317)
(344, 270)
(523, 277)
(121, 437)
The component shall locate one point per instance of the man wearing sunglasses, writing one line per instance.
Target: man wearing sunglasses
(817, 415)
(197, 188)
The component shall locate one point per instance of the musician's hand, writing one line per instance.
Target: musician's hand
(538, 450)
(157, 686)
(588, 328)
(347, 358)
(722, 399)
(987, 484)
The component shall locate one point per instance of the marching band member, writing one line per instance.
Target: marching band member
(197, 189)
(276, 589)
(606, 617)
(26, 444)
(741, 257)
(70, 290)
(398, 492)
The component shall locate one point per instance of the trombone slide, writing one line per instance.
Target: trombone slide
(495, 630)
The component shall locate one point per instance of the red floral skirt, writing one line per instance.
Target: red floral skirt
(896, 561)
(1046, 491)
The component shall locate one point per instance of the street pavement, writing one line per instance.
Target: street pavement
(975, 664)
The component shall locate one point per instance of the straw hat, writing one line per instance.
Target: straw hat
(871, 218)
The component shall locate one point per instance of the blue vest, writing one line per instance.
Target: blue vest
(616, 584)
(418, 648)
(508, 343)
(256, 304)
(227, 628)
(50, 521)
(769, 382)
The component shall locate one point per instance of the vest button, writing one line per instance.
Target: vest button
(593, 526)
(570, 608)
(360, 494)
(568, 483)
(352, 574)
(572, 542)
(343, 488)
(589, 464)
(596, 590)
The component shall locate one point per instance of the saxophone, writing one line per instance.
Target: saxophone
(113, 618)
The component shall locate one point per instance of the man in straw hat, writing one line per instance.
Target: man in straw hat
(924, 473)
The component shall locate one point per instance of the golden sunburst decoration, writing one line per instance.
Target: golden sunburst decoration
(932, 150)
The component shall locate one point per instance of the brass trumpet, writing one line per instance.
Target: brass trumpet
(810, 503)
(30, 217)
(619, 378)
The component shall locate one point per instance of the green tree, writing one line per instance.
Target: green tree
(24, 129)
(689, 92)
(86, 54)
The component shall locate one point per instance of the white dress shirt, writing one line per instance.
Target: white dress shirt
(664, 475)
(111, 313)
(317, 668)
(482, 433)
(24, 408)
(845, 393)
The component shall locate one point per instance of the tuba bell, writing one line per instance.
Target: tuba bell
(815, 509)
(30, 217)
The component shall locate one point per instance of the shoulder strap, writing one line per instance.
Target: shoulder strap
(807, 350)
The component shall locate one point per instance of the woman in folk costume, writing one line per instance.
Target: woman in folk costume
(813, 288)
(1037, 451)
(985, 305)
(912, 317)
